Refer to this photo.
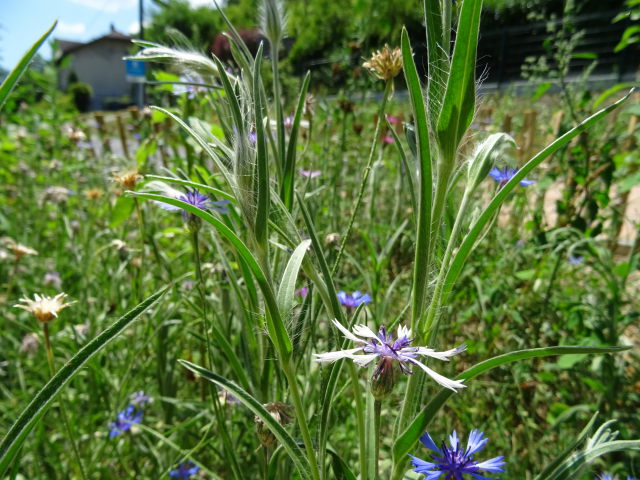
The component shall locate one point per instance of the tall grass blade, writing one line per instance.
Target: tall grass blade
(15, 74)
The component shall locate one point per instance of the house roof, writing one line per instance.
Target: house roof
(67, 46)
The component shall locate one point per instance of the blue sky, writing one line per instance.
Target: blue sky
(23, 21)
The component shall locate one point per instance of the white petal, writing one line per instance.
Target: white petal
(364, 331)
(442, 380)
(337, 355)
(364, 360)
(404, 332)
(430, 352)
(346, 332)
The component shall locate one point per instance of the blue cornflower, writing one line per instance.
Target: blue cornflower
(185, 470)
(383, 348)
(502, 176)
(125, 419)
(140, 398)
(354, 300)
(454, 462)
(198, 200)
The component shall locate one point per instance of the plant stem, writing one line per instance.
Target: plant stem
(301, 417)
(357, 395)
(63, 413)
(377, 410)
(387, 92)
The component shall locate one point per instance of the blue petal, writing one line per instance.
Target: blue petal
(525, 182)
(476, 442)
(422, 466)
(429, 443)
(492, 465)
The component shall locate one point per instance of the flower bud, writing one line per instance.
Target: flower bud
(383, 379)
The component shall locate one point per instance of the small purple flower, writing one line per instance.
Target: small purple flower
(189, 85)
(82, 144)
(125, 419)
(53, 278)
(288, 122)
(391, 119)
(388, 139)
(310, 173)
(502, 176)
(383, 348)
(140, 398)
(185, 470)
(198, 200)
(303, 292)
(354, 300)
(575, 260)
(253, 138)
(455, 462)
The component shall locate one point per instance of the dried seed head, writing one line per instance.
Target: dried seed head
(128, 180)
(385, 64)
(93, 193)
(20, 250)
(44, 308)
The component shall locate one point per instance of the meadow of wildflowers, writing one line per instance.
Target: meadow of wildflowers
(347, 286)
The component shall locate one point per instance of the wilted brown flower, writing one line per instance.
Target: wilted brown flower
(332, 240)
(281, 412)
(20, 250)
(128, 180)
(93, 193)
(385, 64)
(44, 308)
(75, 134)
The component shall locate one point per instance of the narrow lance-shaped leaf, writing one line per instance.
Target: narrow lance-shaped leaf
(15, 74)
(459, 100)
(288, 179)
(288, 443)
(13, 440)
(470, 239)
(288, 284)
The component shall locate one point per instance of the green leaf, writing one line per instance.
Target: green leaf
(288, 179)
(15, 74)
(610, 91)
(458, 104)
(405, 442)
(262, 159)
(16, 435)
(288, 443)
(288, 283)
(121, 211)
(490, 211)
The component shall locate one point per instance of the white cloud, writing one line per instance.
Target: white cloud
(71, 28)
(134, 27)
(111, 6)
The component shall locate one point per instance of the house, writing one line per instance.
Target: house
(99, 64)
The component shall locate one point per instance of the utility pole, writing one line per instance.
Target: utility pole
(142, 86)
